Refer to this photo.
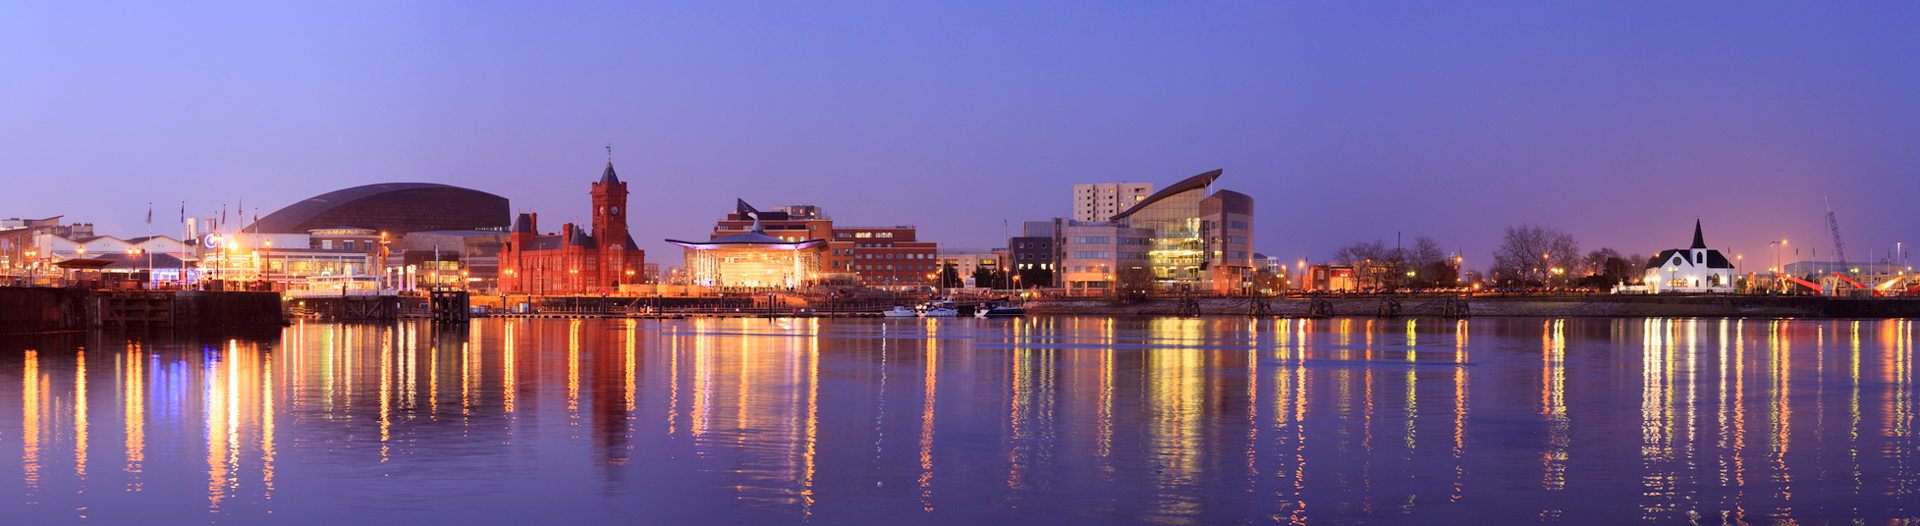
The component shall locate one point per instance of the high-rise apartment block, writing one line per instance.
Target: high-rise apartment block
(1099, 202)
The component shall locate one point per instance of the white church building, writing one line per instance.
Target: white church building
(1694, 269)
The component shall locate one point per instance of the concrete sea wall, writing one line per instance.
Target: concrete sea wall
(1536, 306)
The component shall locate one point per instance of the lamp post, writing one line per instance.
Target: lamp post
(1739, 266)
(1779, 267)
(1543, 268)
(32, 265)
(82, 251)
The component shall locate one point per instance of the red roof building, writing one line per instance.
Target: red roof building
(575, 261)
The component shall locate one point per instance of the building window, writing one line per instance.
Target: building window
(1090, 240)
(1092, 255)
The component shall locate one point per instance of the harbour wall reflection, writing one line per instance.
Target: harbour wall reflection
(1150, 420)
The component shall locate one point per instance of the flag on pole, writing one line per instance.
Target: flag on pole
(149, 212)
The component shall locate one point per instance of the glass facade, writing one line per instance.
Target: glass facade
(1179, 237)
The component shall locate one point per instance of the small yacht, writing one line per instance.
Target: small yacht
(899, 311)
(994, 310)
(938, 310)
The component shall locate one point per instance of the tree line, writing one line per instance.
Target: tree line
(1528, 255)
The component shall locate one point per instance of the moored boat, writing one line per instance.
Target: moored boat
(899, 311)
(938, 311)
(992, 310)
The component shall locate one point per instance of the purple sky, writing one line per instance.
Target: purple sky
(1620, 122)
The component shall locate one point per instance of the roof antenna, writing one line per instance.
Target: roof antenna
(609, 153)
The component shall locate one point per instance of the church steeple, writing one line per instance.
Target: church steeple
(1698, 240)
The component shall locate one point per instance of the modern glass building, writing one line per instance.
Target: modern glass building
(1200, 241)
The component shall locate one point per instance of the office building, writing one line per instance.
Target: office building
(1101, 201)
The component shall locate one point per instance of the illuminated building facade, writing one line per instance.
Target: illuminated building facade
(1094, 255)
(574, 261)
(1200, 241)
(1693, 269)
(876, 256)
(755, 259)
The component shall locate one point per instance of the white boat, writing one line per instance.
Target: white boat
(990, 310)
(899, 312)
(939, 312)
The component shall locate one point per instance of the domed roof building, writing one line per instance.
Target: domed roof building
(395, 208)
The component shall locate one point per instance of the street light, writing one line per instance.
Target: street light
(1779, 267)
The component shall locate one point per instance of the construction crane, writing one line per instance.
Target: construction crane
(1839, 246)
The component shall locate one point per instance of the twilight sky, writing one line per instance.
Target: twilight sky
(1620, 122)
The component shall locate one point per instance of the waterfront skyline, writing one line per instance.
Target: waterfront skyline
(1618, 124)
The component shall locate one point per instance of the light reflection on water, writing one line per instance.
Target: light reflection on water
(964, 421)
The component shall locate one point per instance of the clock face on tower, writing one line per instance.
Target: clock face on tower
(616, 210)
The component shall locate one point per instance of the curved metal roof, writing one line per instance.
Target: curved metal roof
(749, 240)
(430, 207)
(1198, 181)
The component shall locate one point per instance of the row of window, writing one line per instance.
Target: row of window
(842, 265)
(345, 244)
(861, 235)
(889, 256)
(896, 268)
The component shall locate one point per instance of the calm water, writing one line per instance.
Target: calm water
(1058, 420)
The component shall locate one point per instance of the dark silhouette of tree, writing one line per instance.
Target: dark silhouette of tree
(1528, 253)
(1031, 277)
(987, 278)
(950, 277)
(1133, 282)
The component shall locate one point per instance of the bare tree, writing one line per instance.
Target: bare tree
(1425, 253)
(1596, 261)
(1133, 283)
(1532, 252)
(1636, 265)
(1371, 261)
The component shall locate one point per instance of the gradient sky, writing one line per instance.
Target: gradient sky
(1620, 122)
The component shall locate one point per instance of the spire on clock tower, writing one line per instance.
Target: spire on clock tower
(610, 210)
